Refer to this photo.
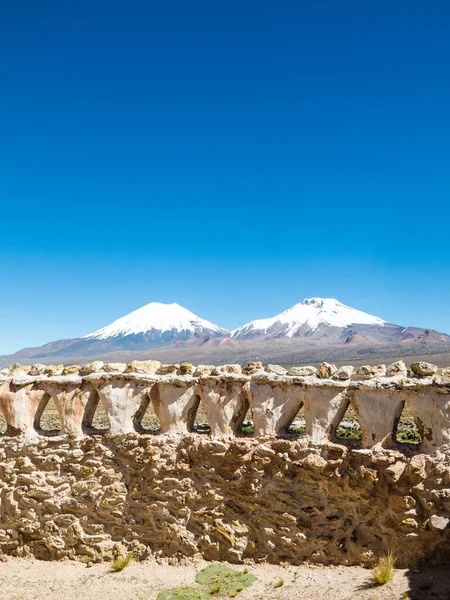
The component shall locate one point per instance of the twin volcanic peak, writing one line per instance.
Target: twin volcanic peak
(157, 325)
(313, 323)
(172, 322)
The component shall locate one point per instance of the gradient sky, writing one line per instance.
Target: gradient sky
(234, 157)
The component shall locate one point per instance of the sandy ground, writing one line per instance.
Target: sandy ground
(36, 580)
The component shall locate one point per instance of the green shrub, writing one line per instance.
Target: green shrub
(218, 581)
(248, 428)
(224, 581)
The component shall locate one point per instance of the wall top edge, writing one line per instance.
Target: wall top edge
(396, 382)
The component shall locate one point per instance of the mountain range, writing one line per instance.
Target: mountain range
(313, 330)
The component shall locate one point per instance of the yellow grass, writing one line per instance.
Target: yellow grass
(120, 563)
(383, 571)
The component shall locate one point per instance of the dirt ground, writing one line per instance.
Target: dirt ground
(35, 580)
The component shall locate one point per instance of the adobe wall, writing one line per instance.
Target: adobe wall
(270, 496)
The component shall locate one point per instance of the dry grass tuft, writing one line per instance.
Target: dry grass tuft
(120, 563)
(383, 571)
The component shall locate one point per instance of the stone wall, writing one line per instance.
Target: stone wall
(271, 495)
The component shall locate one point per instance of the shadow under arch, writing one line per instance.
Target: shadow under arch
(47, 420)
(95, 418)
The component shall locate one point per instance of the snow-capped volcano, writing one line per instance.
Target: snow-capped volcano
(152, 326)
(158, 317)
(305, 318)
(314, 330)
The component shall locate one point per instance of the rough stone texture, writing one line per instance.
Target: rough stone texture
(368, 372)
(326, 371)
(344, 372)
(280, 501)
(203, 370)
(176, 403)
(122, 398)
(225, 404)
(37, 369)
(397, 369)
(53, 370)
(276, 369)
(431, 409)
(93, 367)
(443, 377)
(167, 369)
(116, 367)
(378, 410)
(276, 496)
(440, 523)
(274, 399)
(71, 399)
(227, 369)
(19, 403)
(71, 370)
(324, 408)
(185, 369)
(423, 369)
(17, 370)
(302, 371)
(274, 405)
(252, 368)
(143, 366)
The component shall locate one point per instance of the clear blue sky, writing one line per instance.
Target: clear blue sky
(234, 157)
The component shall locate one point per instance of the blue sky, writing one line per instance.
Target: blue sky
(234, 157)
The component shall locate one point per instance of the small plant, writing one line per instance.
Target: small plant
(383, 571)
(121, 562)
(216, 580)
(248, 428)
(215, 589)
(279, 583)
(223, 580)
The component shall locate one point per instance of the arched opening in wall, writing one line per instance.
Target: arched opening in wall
(201, 424)
(146, 420)
(298, 425)
(406, 430)
(47, 420)
(348, 431)
(95, 419)
(248, 425)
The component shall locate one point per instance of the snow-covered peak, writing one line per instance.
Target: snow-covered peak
(157, 316)
(311, 313)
